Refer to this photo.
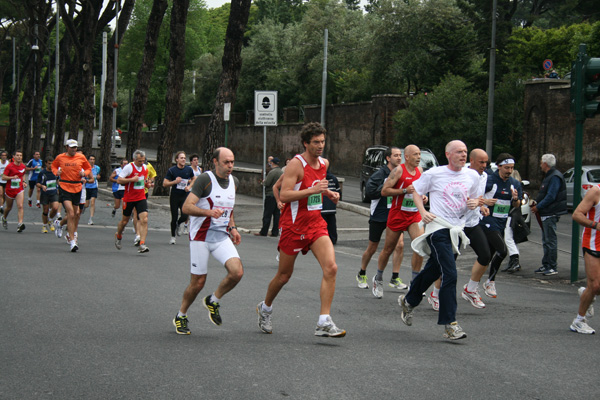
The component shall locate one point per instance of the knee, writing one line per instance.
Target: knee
(236, 273)
(197, 285)
(594, 286)
(330, 270)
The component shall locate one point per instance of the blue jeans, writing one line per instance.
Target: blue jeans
(550, 242)
(442, 262)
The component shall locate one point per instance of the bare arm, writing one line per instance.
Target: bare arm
(392, 180)
(293, 174)
(590, 199)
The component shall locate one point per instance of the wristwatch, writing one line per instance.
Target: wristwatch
(230, 228)
(404, 191)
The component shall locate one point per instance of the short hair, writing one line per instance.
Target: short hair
(91, 155)
(503, 156)
(388, 152)
(17, 151)
(179, 153)
(216, 154)
(192, 156)
(4, 152)
(139, 153)
(311, 130)
(49, 160)
(549, 159)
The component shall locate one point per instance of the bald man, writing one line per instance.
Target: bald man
(403, 216)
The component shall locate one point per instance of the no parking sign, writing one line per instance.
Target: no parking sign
(547, 64)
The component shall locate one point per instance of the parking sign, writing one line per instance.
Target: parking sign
(265, 108)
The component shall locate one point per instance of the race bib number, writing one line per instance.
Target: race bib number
(408, 203)
(15, 183)
(51, 185)
(139, 184)
(501, 209)
(182, 185)
(389, 202)
(37, 170)
(315, 202)
(223, 219)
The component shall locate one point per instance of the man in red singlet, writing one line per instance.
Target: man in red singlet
(13, 175)
(302, 228)
(403, 216)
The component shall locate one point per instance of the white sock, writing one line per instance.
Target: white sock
(436, 292)
(180, 314)
(214, 299)
(472, 285)
(323, 318)
(266, 307)
(580, 318)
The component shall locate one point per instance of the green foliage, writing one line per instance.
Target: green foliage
(508, 116)
(280, 11)
(451, 111)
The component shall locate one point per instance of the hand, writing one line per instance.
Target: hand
(515, 195)
(216, 213)
(425, 199)
(177, 180)
(334, 196)
(410, 189)
(489, 202)
(484, 211)
(280, 205)
(427, 217)
(534, 209)
(235, 236)
(321, 186)
(472, 204)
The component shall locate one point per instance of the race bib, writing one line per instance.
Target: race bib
(223, 219)
(501, 209)
(182, 185)
(51, 185)
(389, 202)
(408, 203)
(315, 202)
(15, 183)
(38, 169)
(139, 184)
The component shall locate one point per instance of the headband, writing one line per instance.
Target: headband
(507, 161)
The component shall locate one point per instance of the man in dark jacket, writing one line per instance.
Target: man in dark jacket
(329, 207)
(550, 204)
(270, 208)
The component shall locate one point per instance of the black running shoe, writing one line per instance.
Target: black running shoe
(181, 325)
(21, 228)
(213, 310)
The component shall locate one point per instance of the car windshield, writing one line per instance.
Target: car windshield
(427, 161)
(594, 176)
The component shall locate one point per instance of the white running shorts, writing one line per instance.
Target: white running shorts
(199, 252)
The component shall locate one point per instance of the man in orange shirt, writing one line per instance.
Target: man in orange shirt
(70, 167)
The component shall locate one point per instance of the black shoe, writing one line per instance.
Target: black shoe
(213, 311)
(114, 211)
(181, 325)
(21, 228)
(540, 270)
(514, 268)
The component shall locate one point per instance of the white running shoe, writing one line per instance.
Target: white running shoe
(582, 327)
(590, 310)
(173, 240)
(90, 222)
(264, 318)
(489, 288)
(362, 281)
(143, 249)
(186, 231)
(74, 246)
(58, 229)
(329, 329)
(407, 310)
(473, 297)
(118, 244)
(377, 288)
(137, 240)
(179, 229)
(398, 284)
(454, 331)
(434, 301)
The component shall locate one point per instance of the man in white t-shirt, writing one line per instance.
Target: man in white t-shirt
(3, 163)
(452, 192)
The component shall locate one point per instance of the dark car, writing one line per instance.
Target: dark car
(375, 159)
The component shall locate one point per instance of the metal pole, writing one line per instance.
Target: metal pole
(490, 119)
(114, 121)
(324, 85)
(14, 72)
(103, 79)
(56, 65)
(264, 162)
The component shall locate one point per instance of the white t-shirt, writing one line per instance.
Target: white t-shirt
(2, 166)
(474, 216)
(448, 191)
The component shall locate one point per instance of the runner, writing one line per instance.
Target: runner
(302, 228)
(47, 182)
(13, 175)
(34, 167)
(71, 167)
(587, 214)
(134, 217)
(212, 231)
(179, 178)
(91, 189)
(194, 158)
(403, 216)
(452, 190)
(134, 177)
(380, 207)
(118, 190)
(3, 163)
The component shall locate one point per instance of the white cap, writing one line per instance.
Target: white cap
(71, 143)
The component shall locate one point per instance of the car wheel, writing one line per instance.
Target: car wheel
(363, 195)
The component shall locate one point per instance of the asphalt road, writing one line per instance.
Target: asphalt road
(97, 325)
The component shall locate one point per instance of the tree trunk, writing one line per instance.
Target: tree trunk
(140, 97)
(174, 89)
(232, 65)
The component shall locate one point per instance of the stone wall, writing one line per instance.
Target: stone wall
(549, 127)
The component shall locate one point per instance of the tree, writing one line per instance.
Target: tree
(174, 87)
(232, 65)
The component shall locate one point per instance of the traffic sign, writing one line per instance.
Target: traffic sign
(548, 64)
(265, 108)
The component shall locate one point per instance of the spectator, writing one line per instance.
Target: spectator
(329, 207)
(270, 208)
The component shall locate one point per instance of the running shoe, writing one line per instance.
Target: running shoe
(362, 281)
(582, 327)
(590, 310)
(264, 318)
(143, 249)
(51, 227)
(473, 297)
(38, 204)
(90, 222)
(4, 223)
(329, 329)
(454, 331)
(173, 240)
(407, 310)
(58, 229)
(540, 270)
(514, 268)
(377, 288)
(44, 229)
(434, 301)
(20, 228)
(213, 310)
(118, 244)
(74, 246)
(489, 288)
(186, 230)
(114, 211)
(136, 241)
(181, 325)
(551, 272)
(398, 284)
(179, 229)
(29, 202)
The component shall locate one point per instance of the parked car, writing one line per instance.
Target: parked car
(374, 159)
(116, 138)
(590, 176)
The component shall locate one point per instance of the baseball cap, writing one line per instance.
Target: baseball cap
(275, 160)
(71, 143)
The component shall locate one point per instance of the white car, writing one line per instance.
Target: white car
(116, 138)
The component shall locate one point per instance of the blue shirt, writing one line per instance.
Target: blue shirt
(186, 173)
(93, 185)
(37, 164)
